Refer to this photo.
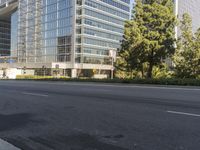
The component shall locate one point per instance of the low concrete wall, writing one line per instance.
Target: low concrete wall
(11, 73)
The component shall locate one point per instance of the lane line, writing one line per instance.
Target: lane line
(183, 113)
(142, 86)
(35, 94)
(126, 86)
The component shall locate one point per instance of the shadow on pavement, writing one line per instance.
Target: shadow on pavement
(12, 121)
(71, 142)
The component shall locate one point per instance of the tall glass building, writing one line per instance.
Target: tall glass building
(76, 36)
(4, 38)
(191, 7)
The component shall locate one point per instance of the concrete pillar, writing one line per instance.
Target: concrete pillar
(74, 73)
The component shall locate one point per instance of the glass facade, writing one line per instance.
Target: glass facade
(100, 27)
(66, 31)
(7, 7)
(4, 38)
(45, 30)
(191, 7)
(14, 35)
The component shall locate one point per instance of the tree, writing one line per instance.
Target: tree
(187, 58)
(149, 35)
(197, 51)
(159, 34)
(130, 55)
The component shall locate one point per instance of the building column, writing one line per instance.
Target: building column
(74, 73)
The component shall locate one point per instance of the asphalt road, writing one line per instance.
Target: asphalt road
(90, 116)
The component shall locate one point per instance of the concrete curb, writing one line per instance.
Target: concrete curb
(7, 146)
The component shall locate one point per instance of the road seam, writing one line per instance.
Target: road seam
(183, 113)
(127, 86)
(35, 94)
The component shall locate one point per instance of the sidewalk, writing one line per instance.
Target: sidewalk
(7, 146)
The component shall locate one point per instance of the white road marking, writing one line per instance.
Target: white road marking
(183, 113)
(142, 86)
(35, 94)
(7, 146)
(139, 86)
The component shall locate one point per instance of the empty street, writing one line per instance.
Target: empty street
(36, 115)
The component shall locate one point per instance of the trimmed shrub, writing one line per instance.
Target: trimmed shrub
(162, 81)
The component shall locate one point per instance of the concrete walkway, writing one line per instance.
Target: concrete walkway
(7, 146)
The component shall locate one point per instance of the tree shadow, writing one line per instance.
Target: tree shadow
(75, 142)
(13, 121)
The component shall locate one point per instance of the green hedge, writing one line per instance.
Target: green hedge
(185, 82)
(171, 81)
(32, 77)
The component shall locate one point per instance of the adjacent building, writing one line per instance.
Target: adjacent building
(4, 38)
(191, 7)
(76, 37)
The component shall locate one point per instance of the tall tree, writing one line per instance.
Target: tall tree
(159, 34)
(149, 35)
(131, 56)
(197, 51)
(186, 58)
